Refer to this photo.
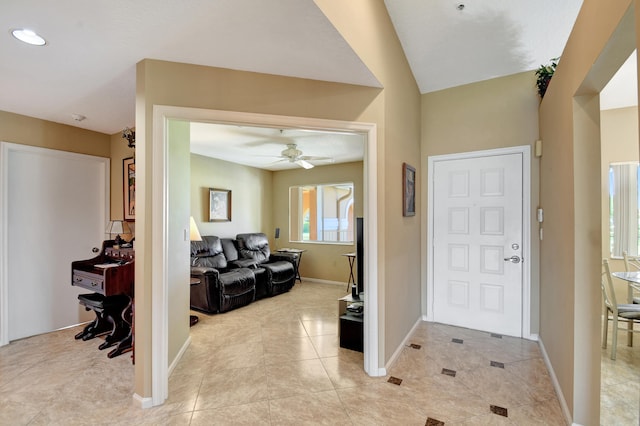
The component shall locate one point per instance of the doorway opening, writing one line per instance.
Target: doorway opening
(162, 222)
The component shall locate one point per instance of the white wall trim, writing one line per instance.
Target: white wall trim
(5, 149)
(556, 384)
(159, 262)
(402, 345)
(162, 113)
(525, 150)
(142, 402)
(179, 356)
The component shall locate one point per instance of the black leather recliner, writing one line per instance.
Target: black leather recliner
(222, 286)
(280, 267)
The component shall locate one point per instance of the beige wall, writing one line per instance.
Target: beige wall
(572, 248)
(619, 143)
(260, 201)
(395, 110)
(321, 261)
(251, 196)
(497, 113)
(47, 134)
(374, 40)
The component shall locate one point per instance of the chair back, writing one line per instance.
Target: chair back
(631, 263)
(608, 294)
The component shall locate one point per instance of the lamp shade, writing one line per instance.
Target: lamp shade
(194, 234)
(117, 227)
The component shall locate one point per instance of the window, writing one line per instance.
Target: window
(623, 208)
(322, 213)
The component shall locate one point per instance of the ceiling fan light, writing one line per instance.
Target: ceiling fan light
(28, 36)
(305, 164)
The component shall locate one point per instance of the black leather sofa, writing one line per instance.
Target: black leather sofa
(231, 273)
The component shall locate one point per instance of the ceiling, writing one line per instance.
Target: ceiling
(88, 66)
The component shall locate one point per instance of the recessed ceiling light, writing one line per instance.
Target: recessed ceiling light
(28, 36)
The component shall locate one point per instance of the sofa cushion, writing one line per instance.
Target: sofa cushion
(254, 246)
(208, 252)
(237, 281)
(229, 249)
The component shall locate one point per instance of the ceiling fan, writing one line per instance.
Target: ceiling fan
(293, 155)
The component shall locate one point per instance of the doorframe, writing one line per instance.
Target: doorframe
(5, 149)
(525, 151)
(160, 213)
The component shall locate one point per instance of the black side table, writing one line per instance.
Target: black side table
(298, 259)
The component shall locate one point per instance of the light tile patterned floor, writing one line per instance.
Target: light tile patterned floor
(278, 362)
(620, 383)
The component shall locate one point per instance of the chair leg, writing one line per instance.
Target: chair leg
(614, 338)
(605, 328)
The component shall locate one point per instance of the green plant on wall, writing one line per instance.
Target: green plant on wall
(544, 74)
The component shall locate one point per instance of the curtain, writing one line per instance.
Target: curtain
(624, 208)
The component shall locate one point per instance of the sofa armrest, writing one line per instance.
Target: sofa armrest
(204, 270)
(289, 257)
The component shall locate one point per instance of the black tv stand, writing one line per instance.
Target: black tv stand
(351, 326)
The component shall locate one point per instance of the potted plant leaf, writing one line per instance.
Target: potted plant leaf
(544, 74)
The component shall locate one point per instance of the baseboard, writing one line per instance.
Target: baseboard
(178, 357)
(556, 384)
(318, 280)
(533, 336)
(402, 345)
(142, 402)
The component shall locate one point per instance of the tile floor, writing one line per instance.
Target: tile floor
(278, 362)
(620, 383)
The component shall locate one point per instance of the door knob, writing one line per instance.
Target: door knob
(95, 249)
(512, 259)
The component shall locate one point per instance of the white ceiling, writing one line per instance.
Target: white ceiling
(88, 64)
(262, 147)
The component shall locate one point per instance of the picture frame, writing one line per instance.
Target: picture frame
(408, 190)
(219, 205)
(129, 188)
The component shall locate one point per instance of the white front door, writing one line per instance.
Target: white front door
(56, 210)
(478, 243)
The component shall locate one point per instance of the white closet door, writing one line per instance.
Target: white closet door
(56, 208)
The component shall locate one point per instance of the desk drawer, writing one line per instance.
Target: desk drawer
(93, 282)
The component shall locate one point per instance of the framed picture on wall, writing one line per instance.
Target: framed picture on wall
(219, 205)
(408, 190)
(129, 183)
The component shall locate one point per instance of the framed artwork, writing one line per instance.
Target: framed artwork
(129, 193)
(219, 205)
(408, 190)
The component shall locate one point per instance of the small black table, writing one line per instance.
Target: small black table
(352, 258)
(298, 259)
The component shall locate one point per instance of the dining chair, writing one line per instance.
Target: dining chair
(627, 313)
(632, 264)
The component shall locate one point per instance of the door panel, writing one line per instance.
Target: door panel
(56, 210)
(477, 228)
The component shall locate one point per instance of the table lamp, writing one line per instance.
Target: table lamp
(117, 227)
(194, 234)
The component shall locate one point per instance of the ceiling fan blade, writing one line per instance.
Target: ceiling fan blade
(312, 158)
(305, 164)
